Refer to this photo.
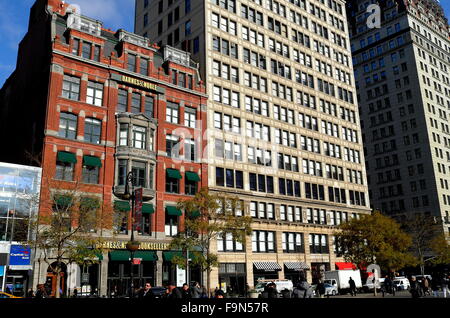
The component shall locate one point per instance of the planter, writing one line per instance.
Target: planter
(133, 246)
(254, 295)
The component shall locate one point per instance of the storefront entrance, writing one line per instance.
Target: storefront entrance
(265, 271)
(51, 281)
(16, 283)
(232, 279)
(119, 277)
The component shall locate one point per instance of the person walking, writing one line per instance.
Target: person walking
(352, 284)
(426, 286)
(389, 285)
(415, 287)
(41, 293)
(146, 293)
(185, 292)
(321, 289)
(173, 292)
(444, 285)
(435, 287)
(195, 290)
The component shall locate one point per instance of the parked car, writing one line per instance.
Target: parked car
(401, 283)
(331, 289)
(158, 291)
(7, 296)
(281, 284)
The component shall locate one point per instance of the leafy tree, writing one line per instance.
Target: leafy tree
(441, 249)
(68, 227)
(423, 230)
(375, 238)
(207, 216)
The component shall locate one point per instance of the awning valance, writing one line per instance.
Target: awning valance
(66, 157)
(92, 161)
(123, 256)
(296, 266)
(267, 266)
(122, 206)
(174, 173)
(172, 210)
(192, 176)
(342, 265)
(168, 256)
(148, 208)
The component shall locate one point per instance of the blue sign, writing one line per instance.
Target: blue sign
(19, 255)
(2, 271)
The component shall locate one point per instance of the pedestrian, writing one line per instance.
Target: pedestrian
(415, 287)
(352, 284)
(173, 292)
(435, 287)
(426, 286)
(146, 292)
(444, 285)
(286, 293)
(219, 293)
(389, 285)
(302, 290)
(195, 290)
(41, 293)
(185, 292)
(204, 294)
(321, 290)
(273, 293)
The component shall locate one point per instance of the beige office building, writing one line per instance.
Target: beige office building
(402, 78)
(283, 125)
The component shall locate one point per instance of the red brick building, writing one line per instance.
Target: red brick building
(89, 105)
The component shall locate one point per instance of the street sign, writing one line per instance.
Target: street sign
(85, 278)
(137, 261)
(138, 206)
(19, 257)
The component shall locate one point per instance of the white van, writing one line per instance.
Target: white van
(281, 284)
(401, 283)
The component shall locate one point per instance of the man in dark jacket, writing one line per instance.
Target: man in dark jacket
(415, 287)
(174, 292)
(146, 293)
(185, 292)
(352, 284)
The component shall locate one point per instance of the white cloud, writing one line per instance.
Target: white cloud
(115, 14)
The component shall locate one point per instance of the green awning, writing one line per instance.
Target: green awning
(92, 161)
(172, 210)
(119, 256)
(122, 206)
(147, 256)
(173, 173)
(148, 208)
(63, 201)
(168, 256)
(100, 256)
(195, 214)
(192, 176)
(66, 157)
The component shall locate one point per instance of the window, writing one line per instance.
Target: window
(97, 53)
(92, 130)
(139, 137)
(189, 117)
(91, 170)
(75, 46)
(94, 93)
(65, 166)
(318, 243)
(172, 146)
(293, 242)
(263, 242)
(226, 243)
(68, 125)
(172, 113)
(171, 224)
(131, 63)
(122, 101)
(123, 135)
(191, 187)
(189, 149)
(148, 106)
(71, 87)
(172, 184)
(139, 173)
(86, 50)
(136, 103)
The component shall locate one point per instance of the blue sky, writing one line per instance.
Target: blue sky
(115, 14)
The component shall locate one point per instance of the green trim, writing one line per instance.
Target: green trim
(173, 173)
(63, 201)
(192, 176)
(122, 206)
(92, 161)
(195, 214)
(172, 210)
(66, 157)
(148, 208)
(146, 256)
(168, 256)
(119, 256)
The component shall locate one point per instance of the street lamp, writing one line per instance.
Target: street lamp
(132, 246)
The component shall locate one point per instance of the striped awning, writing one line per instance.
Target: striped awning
(296, 266)
(267, 266)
